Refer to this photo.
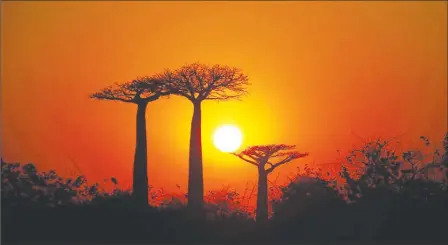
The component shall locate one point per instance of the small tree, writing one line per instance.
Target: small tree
(199, 82)
(263, 157)
(140, 91)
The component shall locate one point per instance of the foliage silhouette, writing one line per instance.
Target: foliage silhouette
(312, 206)
(199, 82)
(48, 207)
(383, 195)
(140, 91)
(394, 186)
(262, 156)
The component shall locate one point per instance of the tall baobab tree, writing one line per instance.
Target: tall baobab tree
(263, 157)
(199, 82)
(140, 91)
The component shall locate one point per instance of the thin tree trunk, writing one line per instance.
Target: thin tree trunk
(195, 175)
(140, 171)
(262, 197)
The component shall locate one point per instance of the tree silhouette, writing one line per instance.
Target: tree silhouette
(140, 91)
(199, 82)
(262, 157)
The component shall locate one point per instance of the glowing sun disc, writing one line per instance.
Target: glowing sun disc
(228, 138)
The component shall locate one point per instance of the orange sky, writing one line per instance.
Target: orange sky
(319, 71)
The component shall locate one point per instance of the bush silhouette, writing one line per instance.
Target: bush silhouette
(380, 195)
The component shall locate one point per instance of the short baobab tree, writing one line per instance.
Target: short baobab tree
(267, 158)
(140, 91)
(200, 82)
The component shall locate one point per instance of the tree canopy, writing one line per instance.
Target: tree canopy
(198, 82)
(264, 154)
(142, 89)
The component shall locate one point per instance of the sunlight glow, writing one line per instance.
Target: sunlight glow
(228, 138)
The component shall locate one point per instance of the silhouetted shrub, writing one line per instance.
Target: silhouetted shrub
(384, 195)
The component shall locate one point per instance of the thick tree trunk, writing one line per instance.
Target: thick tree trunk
(195, 176)
(140, 171)
(262, 197)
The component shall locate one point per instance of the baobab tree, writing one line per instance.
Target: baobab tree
(263, 157)
(140, 91)
(200, 82)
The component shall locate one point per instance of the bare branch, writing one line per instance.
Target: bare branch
(142, 89)
(199, 82)
(115, 92)
(261, 154)
(289, 157)
(244, 159)
(176, 84)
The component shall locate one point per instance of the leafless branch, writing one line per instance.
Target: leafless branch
(198, 82)
(244, 159)
(261, 154)
(289, 157)
(142, 89)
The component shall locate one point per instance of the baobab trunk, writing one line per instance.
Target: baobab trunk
(262, 196)
(195, 178)
(140, 171)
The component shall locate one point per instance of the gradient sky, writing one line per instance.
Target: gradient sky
(320, 71)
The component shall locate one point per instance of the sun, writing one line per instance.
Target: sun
(227, 138)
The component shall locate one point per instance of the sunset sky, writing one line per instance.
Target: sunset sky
(321, 73)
